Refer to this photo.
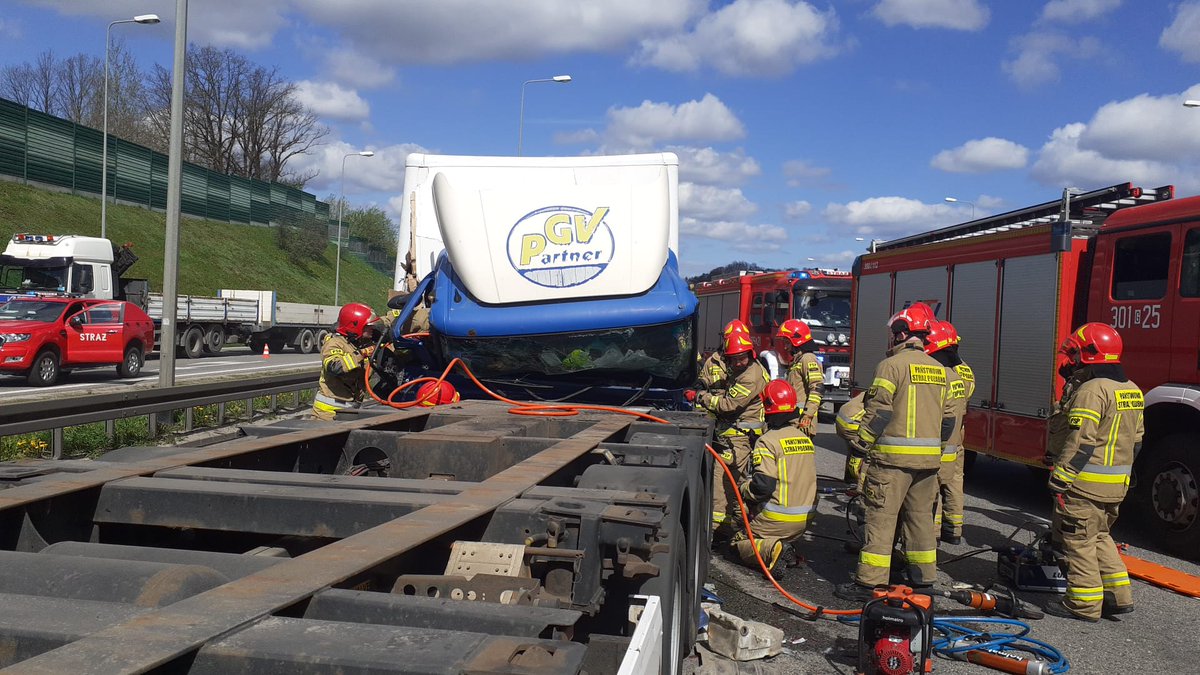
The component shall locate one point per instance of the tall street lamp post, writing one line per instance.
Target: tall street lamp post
(144, 19)
(952, 200)
(337, 267)
(561, 79)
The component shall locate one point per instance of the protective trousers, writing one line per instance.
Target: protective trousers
(948, 516)
(888, 492)
(735, 452)
(766, 533)
(1094, 567)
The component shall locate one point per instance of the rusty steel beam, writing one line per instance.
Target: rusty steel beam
(158, 637)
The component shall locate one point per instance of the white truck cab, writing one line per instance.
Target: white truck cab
(50, 263)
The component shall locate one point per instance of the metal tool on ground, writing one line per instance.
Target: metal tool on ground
(1002, 602)
(895, 633)
(1032, 567)
(988, 644)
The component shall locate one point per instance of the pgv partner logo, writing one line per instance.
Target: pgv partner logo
(561, 246)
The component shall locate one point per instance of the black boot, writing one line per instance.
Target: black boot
(854, 592)
(1056, 608)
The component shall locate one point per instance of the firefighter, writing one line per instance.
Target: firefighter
(846, 424)
(1091, 473)
(782, 485)
(805, 373)
(908, 419)
(713, 370)
(739, 414)
(942, 345)
(342, 355)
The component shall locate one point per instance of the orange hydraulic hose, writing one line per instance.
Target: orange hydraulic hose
(561, 410)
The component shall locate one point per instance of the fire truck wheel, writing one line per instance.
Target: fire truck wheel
(131, 364)
(45, 369)
(1170, 493)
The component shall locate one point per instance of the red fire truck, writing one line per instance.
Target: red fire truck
(820, 298)
(1015, 284)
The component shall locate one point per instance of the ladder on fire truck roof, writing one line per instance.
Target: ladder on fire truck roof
(1087, 211)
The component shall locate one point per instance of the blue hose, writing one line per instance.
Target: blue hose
(961, 639)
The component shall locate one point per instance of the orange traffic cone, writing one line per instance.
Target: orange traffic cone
(266, 351)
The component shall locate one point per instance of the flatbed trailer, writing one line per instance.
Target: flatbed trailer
(459, 539)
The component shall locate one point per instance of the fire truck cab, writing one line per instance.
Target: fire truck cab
(818, 297)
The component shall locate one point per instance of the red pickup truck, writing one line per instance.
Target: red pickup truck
(43, 338)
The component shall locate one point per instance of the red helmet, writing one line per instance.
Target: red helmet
(916, 318)
(738, 343)
(437, 393)
(795, 331)
(942, 334)
(779, 397)
(735, 326)
(1092, 343)
(354, 319)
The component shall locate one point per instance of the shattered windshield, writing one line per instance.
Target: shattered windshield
(31, 278)
(624, 357)
(824, 309)
(27, 310)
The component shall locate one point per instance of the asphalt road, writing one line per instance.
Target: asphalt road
(1159, 637)
(233, 361)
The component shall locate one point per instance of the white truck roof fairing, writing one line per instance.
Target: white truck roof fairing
(91, 249)
(488, 203)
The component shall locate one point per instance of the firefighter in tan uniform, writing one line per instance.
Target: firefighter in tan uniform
(1091, 473)
(805, 374)
(782, 487)
(908, 419)
(738, 411)
(942, 345)
(342, 355)
(714, 371)
(846, 423)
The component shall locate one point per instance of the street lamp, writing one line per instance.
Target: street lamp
(140, 18)
(337, 267)
(561, 79)
(952, 200)
(1191, 103)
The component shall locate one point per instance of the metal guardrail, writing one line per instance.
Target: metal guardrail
(57, 415)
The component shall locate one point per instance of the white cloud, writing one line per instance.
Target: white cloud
(220, 23)
(713, 167)
(1077, 10)
(330, 100)
(1134, 128)
(967, 15)
(581, 137)
(1062, 161)
(800, 173)
(1037, 57)
(357, 69)
(1183, 35)
(758, 38)
(650, 123)
(741, 236)
(989, 202)
(712, 203)
(10, 29)
(981, 156)
(887, 216)
(382, 173)
(796, 210)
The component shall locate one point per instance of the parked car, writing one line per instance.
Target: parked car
(44, 338)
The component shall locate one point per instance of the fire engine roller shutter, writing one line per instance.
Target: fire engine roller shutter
(716, 310)
(973, 313)
(1027, 339)
(870, 333)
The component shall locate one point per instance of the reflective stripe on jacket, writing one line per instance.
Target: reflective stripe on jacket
(909, 413)
(787, 456)
(1105, 421)
(807, 378)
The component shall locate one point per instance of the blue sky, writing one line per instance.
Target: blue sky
(800, 125)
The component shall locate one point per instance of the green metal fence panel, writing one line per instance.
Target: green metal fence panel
(88, 148)
(218, 196)
(239, 199)
(194, 197)
(51, 150)
(158, 181)
(12, 138)
(131, 175)
(260, 202)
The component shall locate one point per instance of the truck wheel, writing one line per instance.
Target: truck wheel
(214, 340)
(45, 369)
(192, 344)
(1171, 492)
(669, 587)
(307, 342)
(276, 344)
(321, 335)
(131, 365)
(255, 346)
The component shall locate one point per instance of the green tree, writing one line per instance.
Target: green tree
(303, 237)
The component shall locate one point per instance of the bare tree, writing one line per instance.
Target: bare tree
(16, 83)
(241, 118)
(127, 97)
(45, 73)
(80, 78)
